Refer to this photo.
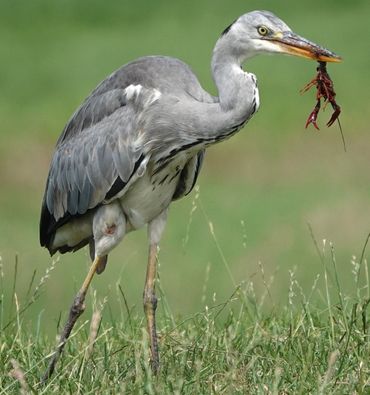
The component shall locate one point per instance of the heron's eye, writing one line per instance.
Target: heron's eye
(262, 30)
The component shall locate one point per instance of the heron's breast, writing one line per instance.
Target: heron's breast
(151, 194)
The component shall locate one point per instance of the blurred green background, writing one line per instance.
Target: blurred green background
(259, 189)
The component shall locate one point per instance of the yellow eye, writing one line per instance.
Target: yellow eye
(262, 30)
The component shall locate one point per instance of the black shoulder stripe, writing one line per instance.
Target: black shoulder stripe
(119, 184)
(228, 28)
(200, 158)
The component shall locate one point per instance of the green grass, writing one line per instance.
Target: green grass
(274, 176)
(244, 344)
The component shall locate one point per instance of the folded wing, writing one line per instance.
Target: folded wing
(100, 151)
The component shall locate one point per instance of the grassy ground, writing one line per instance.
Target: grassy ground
(243, 345)
(259, 190)
(260, 195)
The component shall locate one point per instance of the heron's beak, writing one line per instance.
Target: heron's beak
(292, 44)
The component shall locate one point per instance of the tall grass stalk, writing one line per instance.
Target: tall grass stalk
(236, 346)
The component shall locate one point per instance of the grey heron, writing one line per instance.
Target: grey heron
(137, 143)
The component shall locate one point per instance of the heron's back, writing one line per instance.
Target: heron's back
(168, 75)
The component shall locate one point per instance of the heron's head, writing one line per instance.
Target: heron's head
(260, 32)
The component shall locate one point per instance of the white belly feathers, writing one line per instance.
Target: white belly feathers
(144, 200)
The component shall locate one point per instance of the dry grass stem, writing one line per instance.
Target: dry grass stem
(94, 329)
(18, 374)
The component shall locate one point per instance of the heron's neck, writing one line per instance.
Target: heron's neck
(211, 122)
(236, 88)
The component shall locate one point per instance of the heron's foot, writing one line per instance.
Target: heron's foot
(77, 308)
(150, 306)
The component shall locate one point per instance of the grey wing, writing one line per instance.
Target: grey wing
(99, 152)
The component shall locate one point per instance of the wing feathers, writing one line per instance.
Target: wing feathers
(97, 153)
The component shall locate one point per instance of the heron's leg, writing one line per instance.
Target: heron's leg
(75, 311)
(155, 230)
(150, 305)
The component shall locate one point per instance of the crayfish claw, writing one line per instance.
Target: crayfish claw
(335, 115)
(312, 119)
(313, 122)
(331, 120)
(313, 116)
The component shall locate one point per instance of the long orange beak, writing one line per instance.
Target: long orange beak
(292, 44)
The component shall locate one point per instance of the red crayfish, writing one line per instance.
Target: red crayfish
(325, 90)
